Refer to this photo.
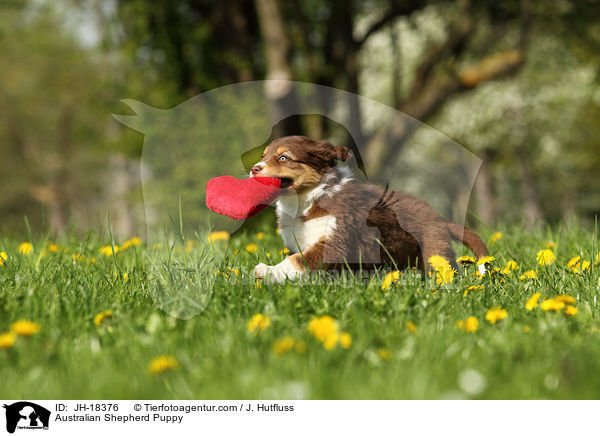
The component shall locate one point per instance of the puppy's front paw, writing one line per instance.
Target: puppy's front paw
(260, 270)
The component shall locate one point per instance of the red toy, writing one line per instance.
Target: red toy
(241, 199)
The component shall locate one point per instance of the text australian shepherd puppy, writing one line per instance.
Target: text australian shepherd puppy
(329, 220)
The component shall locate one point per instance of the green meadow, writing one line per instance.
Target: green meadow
(95, 328)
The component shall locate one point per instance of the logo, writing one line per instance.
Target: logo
(26, 415)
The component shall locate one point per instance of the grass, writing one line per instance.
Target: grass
(529, 354)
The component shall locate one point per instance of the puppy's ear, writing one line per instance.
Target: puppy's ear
(331, 152)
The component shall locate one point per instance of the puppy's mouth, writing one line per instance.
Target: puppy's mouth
(285, 182)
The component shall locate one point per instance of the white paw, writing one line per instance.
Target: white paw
(260, 270)
(276, 273)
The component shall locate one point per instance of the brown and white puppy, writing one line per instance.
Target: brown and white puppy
(329, 220)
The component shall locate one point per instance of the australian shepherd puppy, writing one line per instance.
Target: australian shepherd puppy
(329, 220)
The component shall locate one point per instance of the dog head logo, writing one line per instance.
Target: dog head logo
(26, 415)
(204, 138)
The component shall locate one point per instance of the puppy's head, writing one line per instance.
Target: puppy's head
(298, 161)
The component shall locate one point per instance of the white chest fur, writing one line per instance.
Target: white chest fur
(300, 234)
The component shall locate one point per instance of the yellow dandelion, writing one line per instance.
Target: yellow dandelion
(283, 345)
(25, 248)
(107, 250)
(284, 252)
(102, 316)
(135, 241)
(259, 283)
(438, 261)
(384, 354)
(52, 248)
(527, 275)
(551, 245)
(251, 248)
(485, 259)
(495, 314)
(3, 257)
(162, 363)
(495, 237)
(258, 323)
(466, 260)
(567, 299)
(411, 327)
(511, 265)
(473, 288)
(469, 325)
(573, 261)
(552, 304)
(532, 303)
(220, 235)
(545, 257)
(331, 341)
(391, 277)
(526, 329)
(443, 275)
(23, 327)
(260, 235)
(570, 310)
(7, 339)
(345, 340)
(323, 327)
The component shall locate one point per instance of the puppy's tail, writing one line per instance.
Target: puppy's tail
(469, 238)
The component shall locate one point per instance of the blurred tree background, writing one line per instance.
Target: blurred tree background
(517, 82)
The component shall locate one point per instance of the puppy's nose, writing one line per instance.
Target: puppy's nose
(256, 169)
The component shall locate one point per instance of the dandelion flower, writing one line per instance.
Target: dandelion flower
(495, 314)
(527, 275)
(552, 304)
(251, 248)
(23, 327)
(567, 299)
(331, 341)
(283, 345)
(322, 327)
(284, 252)
(3, 257)
(511, 265)
(258, 323)
(551, 245)
(495, 237)
(571, 310)
(25, 248)
(438, 261)
(573, 261)
(545, 257)
(411, 327)
(220, 235)
(102, 316)
(52, 248)
(107, 250)
(532, 303)
(526, 329)
(485, 259)
(162, 363)
(345, 340)
(469, 325)
(260, 235)
(391, 277)
(7, 340)
(384, 354)
(466, 260)
(473, 288)
(444, 275)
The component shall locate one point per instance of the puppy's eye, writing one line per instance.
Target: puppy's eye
(282, 158)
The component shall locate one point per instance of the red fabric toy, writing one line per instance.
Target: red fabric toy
(241, 199)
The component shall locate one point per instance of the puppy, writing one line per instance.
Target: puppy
(328, 220)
